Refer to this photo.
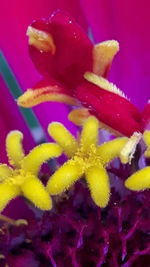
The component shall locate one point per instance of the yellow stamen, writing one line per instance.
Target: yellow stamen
(42, 40)
(14, 148)
(98, 183)
(89, 133)
(103, 54)
(38, 155)
(5, 172)
(7, 193)
(111, 149)
(33, 190)
(140, 180)
(103, 83)
(59, 133)
(64, 177)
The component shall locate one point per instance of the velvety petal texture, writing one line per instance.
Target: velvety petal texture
(110, 108)
(72, 55)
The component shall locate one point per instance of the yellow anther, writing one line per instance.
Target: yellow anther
(42, 40)
(103, 83)
(103, 54)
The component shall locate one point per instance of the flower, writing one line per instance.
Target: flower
(140, 180)
(22, 178)
(85, 158)
(67, 59)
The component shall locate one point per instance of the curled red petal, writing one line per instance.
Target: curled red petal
(46, 90)
(110, 108)
(73, 55)
(42, 60)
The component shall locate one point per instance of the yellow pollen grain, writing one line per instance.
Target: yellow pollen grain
(88, 158)
(18, 177)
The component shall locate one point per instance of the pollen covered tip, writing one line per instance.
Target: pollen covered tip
(103, 54)
(128, 150)
(103, 83)
(14, 147)
(27, 99)
(41, 40)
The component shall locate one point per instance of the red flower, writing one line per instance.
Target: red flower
(73, 68)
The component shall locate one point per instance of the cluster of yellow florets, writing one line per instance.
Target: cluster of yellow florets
(86, 158)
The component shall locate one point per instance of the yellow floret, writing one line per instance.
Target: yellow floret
(23, 178)
(88, 159)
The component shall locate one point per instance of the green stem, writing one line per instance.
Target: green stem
(16, 91)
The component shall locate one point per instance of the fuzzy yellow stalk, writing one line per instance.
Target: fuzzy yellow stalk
(87, 158)
(22, 177)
